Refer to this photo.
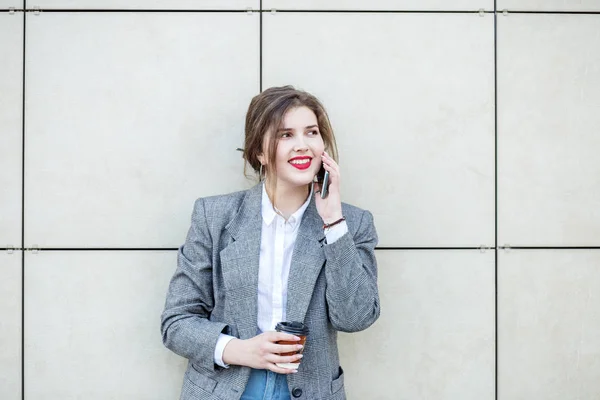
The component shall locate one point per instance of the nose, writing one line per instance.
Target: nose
(300, 144)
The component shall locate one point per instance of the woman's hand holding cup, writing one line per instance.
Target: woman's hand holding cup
(298, 329)
(264, 352)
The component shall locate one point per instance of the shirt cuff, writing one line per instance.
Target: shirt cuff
(335, 232)
(221, 343)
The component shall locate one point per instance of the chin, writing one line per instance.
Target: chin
(296, 182)
(302, 183)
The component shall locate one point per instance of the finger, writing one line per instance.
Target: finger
(333, 172)
(280, 370)
(326, 155)
(277, 336)
(286, 348)
(274, 348)
(278, 358)
(326, 158)
(287, 359)
(328, 161)
(331, 166)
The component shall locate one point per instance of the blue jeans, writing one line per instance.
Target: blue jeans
(266, 385)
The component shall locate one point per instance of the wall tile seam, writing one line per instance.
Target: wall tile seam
(383, 248)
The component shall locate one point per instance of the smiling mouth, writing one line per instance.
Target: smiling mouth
(300, 163)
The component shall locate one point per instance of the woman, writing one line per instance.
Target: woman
(276, 252)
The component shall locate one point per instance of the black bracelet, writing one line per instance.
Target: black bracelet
(327, 226)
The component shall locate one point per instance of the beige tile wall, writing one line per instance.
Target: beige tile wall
(157, 129)
(548, 324)
(147, 4)
(378, 5)
(92, 323)
(7, 4)
(11, 126)
(131, 116)
(548, 122)
(10, 325)
(548, 5)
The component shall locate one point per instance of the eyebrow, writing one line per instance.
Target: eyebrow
(290, 129)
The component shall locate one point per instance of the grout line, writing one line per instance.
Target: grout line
(552, 248)
(430, 248)
(495, 203)
(107, 249)
(98, 10)
(23, 325)
(260, 50)
(175, 248)
(121, 10)
(116, 10)
(23, 212)
(384, 11)
(480, 248)
(555, 12)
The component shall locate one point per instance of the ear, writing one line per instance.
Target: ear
(261, 158)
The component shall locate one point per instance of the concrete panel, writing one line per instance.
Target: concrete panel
(124, 135)
(435, 336)
(93, 326)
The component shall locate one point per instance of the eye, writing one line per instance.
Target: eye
(285, 135)
(314, 132)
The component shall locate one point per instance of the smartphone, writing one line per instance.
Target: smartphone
(323, 179)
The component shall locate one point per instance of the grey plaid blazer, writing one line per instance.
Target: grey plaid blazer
(331, 287)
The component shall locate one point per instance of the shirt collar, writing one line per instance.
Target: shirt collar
(268, 210)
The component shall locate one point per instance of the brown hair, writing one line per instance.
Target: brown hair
(266, 113)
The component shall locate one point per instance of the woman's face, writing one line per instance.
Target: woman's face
(299, 150)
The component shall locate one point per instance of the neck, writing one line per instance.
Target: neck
(287, 199)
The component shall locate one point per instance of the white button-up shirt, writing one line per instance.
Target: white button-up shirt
(277, 240)
(276, 246)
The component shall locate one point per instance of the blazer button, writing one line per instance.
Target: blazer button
(296, 392)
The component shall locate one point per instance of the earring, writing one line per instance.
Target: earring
(260, 175)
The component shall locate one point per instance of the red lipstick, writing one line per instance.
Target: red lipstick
(303, 162)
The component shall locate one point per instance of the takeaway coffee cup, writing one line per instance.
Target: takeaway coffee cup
(296, 329)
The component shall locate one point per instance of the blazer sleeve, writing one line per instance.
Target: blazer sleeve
(185, 325)
(351, 273)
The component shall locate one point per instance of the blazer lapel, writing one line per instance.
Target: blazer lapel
(307, 260)
(240, 261)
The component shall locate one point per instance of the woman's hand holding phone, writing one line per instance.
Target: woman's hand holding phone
(330, 207)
